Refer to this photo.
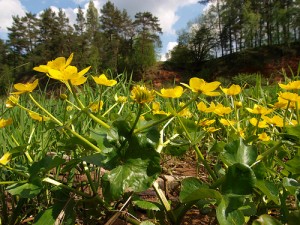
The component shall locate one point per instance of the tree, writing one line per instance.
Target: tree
(93, 37)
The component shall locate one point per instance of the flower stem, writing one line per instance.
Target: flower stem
(86, 111)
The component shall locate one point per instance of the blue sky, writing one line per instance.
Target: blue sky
(173, 14)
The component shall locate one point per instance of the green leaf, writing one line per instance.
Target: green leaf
(238, 152)
(45, 165)
(228, 218)
(293, 165)
(269, 189)
(192, 189)
(96, 159)
(292, 134)
(266, 220)
(177, 147)
(291, 185)
(147, 205)
(134, 176)
(239, 180)
(294, 217)
(28, 190)
(60, 213)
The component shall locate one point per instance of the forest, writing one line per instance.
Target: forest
(112, 40)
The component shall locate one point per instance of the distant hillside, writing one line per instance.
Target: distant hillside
(268, 61)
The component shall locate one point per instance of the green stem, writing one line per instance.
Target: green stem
(56, 183)
(67, 128)
(113, 106)
(86, 111)
(136, 119)
(88, 174)
(205, 164)
(45, 111)
(164, 201)
(268, 152)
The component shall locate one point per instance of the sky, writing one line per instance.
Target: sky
(172, 14)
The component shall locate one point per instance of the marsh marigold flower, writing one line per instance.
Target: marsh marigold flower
(96, 106)
(199, 85)
(289, 96)
(275, 120)
(142, 94)
(70, 73)
(12, 101)
(171, 92)
(102, 80)
(38, 117)
(202, 107)
(264, 137)
(293, 85)
(260, 124)
(258, 109)
(232, 90)
(219, 109)
(205, 122)
(5, 123)
(59, 64)
(5, 158)
(27, 87)
(156, 109)
(226, 122)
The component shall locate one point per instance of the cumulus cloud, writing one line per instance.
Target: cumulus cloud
(165, 10)
(7, 10)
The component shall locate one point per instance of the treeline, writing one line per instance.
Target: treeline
(228, 26)
(110, 39)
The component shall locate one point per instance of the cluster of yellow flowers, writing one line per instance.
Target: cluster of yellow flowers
(62, 70)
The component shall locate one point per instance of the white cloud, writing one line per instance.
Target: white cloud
(171, 45)
(165, 10)
(7, 10)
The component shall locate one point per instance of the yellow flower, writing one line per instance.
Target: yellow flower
(205, 122)
(69, 108)
(238, 104)
(5, 158)
(292, 97)
(38, 117)
(232, 90)
(200, 85)
(102, 80)
(59, 64)
(241, 133)
(202, 107)
(156, 109)
(293, 85)
(70, 73)
(258, 109)
(23, 88)
(4, 122)
(120, 99)
(226, 122)
(96, 106)
(211, 129)
(220, 110)
(142, 94)
(171, 92)
(12, 101)
(275, 120)
(263, 136)
(185, 112)
(261, 124)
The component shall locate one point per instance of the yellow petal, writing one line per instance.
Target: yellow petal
(5, 158)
